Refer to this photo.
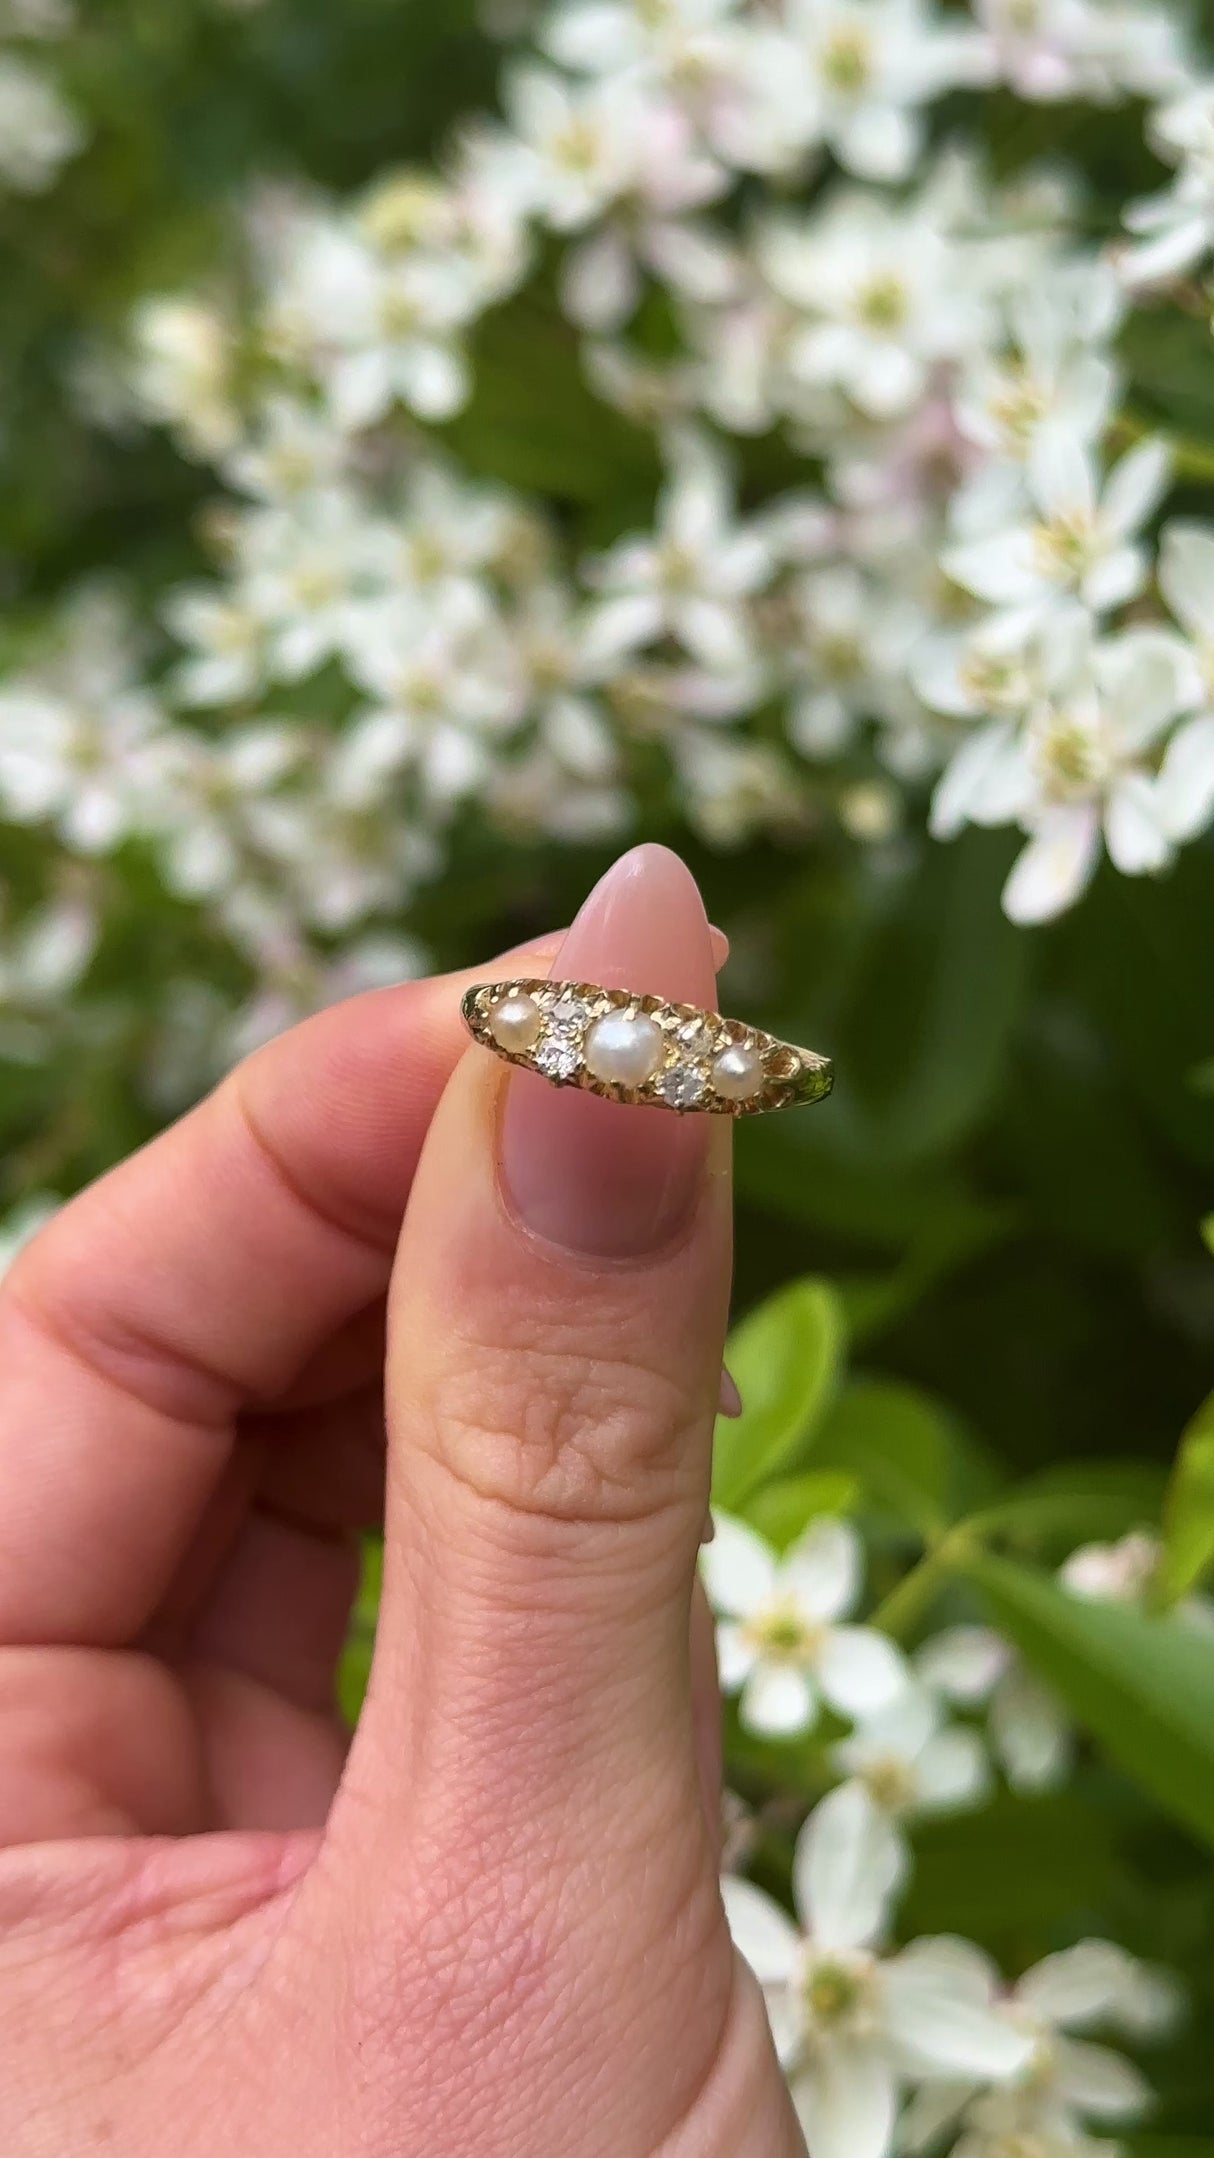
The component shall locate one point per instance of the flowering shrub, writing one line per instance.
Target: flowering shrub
(436, 451)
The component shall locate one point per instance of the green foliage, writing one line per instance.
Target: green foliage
(1188, 1518)
(785, 1359)
(1144, 1686)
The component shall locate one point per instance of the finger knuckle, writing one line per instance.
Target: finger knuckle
(554, 1430)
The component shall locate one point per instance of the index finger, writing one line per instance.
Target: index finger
(192, 1282)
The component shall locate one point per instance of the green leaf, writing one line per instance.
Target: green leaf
(786, 1357)
(1207, 1232)
(904, 1449)
(1188, 1513)
(1020, 1865)
(780, 1511)
(1143, 1686)
(1172, 2146)
(355, 1667)
(1084, 1501)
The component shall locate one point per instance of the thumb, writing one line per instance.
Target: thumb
(524, 1779)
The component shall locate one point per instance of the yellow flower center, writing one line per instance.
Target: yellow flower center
(578, 147)
(1064, 546)
(847, 60)
(883, 303)
(892, 1783)
(782, 1634)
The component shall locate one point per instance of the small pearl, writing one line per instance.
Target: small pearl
(738, 1072)
(515, 1022)
(624, 1050)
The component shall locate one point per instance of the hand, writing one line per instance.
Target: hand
(494, 1926)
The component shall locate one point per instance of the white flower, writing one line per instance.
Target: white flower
(206, 799)
(295, 451)
(869, 67)
(601, 281)
(911, 1763)
(181, 373)
(1054, 49)
(1057, 377)
(1113, 1573)
(674, 40)
(304, 570)
(1176, 229)
(382, 328)
(781, 1640)
(692, 580)
(1186, 777)
(854, 2027)
(883, 296)
(849, 649)
(75, 737)
(1079, 769)
(1029, 1731)
(577, 148)
(39, 132)
(227, 641)
(1081, 542)
(446, 687)
(1067, 2084)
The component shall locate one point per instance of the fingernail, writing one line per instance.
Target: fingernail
(549, 943)
(729, 1400)
(596, 1176)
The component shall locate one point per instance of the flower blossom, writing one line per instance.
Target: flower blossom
(855, 2025)
(781, 1640)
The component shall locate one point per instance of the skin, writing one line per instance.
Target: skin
(491, 1923)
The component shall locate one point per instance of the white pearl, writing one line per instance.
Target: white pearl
(515, 1022)
(738, 1072)
(624, 1050)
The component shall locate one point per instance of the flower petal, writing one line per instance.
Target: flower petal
(846, 2102)
(1055, 866)
(738, 1569)
(1186, 576)
(1029, 1732)
(860, 1671)
(735, 1656)
(940, 2027)
(848, 1863)
(1134, 827)
(1079, 1985)
(1096, 2080)
(778, 1701)
(1185, 787)
(964, 1663)
(822, 1571)
(954, 1771)
(762, 1932)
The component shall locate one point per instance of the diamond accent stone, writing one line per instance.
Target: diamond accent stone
(681, 1086)
(558, 1056)
(570, 1015)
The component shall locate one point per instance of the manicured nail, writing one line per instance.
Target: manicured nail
(597, 1176)
(729, 1400)
(549, 943)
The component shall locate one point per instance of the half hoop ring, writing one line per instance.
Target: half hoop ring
(642, 1050)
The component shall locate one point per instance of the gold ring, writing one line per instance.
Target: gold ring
(643, 1050)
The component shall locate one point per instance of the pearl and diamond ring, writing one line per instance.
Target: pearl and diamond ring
(640, 1049)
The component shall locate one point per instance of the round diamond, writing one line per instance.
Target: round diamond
(558, 1057)
(682, 1086)
(569, 1014)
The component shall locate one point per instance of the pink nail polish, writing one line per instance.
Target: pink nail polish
(592, 1175)
(729, 1401)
